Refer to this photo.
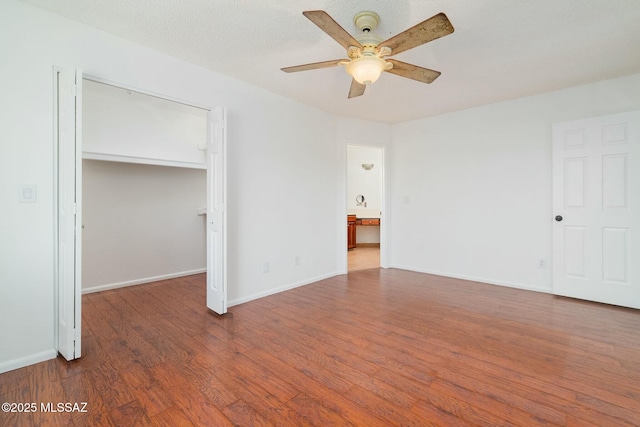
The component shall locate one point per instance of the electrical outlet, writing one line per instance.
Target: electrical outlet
(27, 193)
(542, 263)
(265, 267)
(296, 261)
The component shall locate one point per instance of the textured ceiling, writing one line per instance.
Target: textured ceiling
(501, 49)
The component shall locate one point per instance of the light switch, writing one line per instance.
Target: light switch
(27, 193)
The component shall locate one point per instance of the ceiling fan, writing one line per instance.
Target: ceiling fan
(367, 52)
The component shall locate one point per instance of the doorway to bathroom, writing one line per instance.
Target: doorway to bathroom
(365, 206)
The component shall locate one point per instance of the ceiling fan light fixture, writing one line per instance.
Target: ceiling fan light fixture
(367, 69)
(367, 51)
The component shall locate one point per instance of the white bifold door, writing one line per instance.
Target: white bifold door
(68, 144)
(216, 216)
(596, 209)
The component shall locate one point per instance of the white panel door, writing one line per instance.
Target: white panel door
(596, 202)
(216, 216)
(69, 220)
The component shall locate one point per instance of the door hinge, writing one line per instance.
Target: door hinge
(74, 208)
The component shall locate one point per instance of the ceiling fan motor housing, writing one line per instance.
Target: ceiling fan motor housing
(366, 21)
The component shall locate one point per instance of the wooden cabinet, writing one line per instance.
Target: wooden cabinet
(368, 221)
(351, 231)
(352, 222)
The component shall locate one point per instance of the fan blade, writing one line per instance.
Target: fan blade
(314, 66)
(332, 28)
(356, 89)
(411, 71)
(433, 28)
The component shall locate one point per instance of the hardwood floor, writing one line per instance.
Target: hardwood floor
(363, 257)
(371, 348)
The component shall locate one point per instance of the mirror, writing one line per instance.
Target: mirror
(359, 199)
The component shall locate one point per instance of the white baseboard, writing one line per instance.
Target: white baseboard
(474, 279)
(141, 281)
(280, 289)
(31, 359)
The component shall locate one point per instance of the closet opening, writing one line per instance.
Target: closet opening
(144, 188)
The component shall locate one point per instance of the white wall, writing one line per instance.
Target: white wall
(285, 177)
(141, 223)
(364, 182)
(471, 190)
(130, 126)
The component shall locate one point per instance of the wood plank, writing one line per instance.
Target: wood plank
(171, 417)
(195, 405)
(241, 414)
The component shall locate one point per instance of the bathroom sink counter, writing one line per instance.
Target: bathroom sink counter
(365, 213)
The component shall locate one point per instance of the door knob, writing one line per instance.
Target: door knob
(558, 218)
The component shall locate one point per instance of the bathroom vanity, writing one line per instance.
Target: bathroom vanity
(354, 221)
